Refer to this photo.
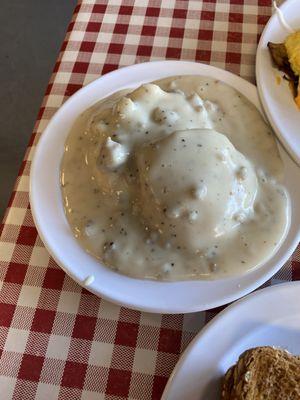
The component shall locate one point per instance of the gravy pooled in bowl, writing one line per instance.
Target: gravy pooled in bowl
(179, 179)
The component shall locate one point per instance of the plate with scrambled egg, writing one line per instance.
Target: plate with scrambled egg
(277, 74)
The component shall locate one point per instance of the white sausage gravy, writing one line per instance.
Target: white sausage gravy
(179, 179)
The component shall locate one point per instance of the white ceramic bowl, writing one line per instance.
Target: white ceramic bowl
(54, 230)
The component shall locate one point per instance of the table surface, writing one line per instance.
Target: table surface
(57, 340)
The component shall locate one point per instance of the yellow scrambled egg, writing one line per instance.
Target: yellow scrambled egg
(297, 99)
(292, 44)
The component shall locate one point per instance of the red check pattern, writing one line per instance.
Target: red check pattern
(57, 340)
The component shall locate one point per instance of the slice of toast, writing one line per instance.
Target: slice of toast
(263, 373)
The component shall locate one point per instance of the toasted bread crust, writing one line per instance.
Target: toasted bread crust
(263, 373)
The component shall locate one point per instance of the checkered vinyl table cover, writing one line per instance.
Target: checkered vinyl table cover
(57, 340)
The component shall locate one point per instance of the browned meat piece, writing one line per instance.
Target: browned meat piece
(280, 58)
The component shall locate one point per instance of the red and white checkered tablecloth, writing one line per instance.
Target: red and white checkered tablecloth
(57, 340)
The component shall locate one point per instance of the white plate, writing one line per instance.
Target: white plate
(277, 100)
(48, 213)
(268, 317)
